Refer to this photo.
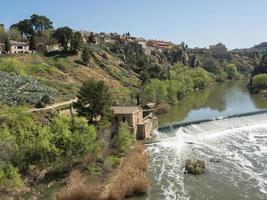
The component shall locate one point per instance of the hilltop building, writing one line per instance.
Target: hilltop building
(140, 126)
(159, 44)
(219, 51)
(101, 38)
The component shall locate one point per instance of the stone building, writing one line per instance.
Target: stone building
(140, 126)
(219, 51)
(158, 44)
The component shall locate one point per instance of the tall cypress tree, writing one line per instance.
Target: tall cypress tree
(7, 45)
(32, 43)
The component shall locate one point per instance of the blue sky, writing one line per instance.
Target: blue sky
(237, 23)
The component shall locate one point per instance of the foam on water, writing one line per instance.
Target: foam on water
(241, 145)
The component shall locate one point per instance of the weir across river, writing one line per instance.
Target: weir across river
(178, 125)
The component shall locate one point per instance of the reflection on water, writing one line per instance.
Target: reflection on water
(217, 100)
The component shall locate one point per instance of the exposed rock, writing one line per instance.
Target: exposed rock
(194, 62)
(195, 167)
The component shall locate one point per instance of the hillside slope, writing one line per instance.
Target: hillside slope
(66, 73)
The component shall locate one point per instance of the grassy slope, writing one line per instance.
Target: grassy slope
(66, 73)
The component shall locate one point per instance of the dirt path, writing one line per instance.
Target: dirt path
(54, 106)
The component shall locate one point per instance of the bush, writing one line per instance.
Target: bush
(259, 82)
(23, 142)
(130, 180)
(111, 162)
(9, 177)
(123, 139)
(231, 71)
(12, 65)
(79, 188)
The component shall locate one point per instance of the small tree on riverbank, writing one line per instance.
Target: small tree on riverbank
(123, 140)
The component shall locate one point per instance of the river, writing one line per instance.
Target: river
(240, 143)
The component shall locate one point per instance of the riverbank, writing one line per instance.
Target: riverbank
(127, 180)
(263, 93)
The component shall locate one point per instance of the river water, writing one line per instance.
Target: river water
(240, 143)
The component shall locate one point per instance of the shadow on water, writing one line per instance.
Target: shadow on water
(217, 100)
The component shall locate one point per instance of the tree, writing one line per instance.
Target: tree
(91, 39)
(3, 34)
(40, 23)
(86, 55)
(231, 71)
(123, 140)
(24, 26)
(63, 36)
(76, 42)
(94, 99)
(32, 43)
(36, 24)
(7, 45)
(15, 34)
(155, 91)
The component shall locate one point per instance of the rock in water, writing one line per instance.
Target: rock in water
(195, 167)
(215, 160)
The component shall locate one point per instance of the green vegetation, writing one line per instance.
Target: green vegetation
(123, 140)
(63, 36)
(258, 77)
(86, 53)
(35, 24)
(94, 100)
(12, 66)
(112, 161)
(76, 42)
(182, 80)
(25, 143)
(259, 82)
(16, 90)
(232, 72)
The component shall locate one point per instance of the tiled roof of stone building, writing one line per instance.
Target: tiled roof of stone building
(122, 110)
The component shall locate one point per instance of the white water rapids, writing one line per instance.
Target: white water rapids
(240, 144)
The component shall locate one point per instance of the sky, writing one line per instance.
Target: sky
(198, 23)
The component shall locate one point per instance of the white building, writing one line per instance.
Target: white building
(19, 47)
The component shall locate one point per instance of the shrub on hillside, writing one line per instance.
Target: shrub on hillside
(12, 65)
(123, 139)
(111, 161)
(79, 188)
(9, 177)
